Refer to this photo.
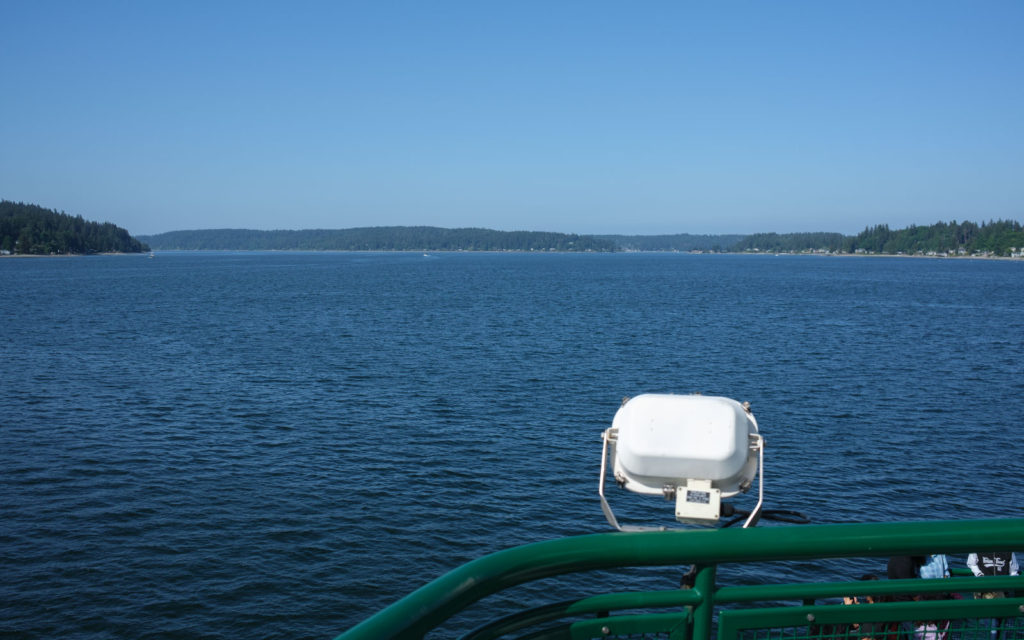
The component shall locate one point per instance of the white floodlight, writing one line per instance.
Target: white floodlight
(695, 449)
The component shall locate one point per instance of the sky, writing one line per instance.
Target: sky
(583, 117)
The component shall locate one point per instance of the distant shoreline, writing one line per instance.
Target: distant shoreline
(482, 251)
(68, 255)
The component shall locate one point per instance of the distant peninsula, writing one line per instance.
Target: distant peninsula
(28, 229)
(376, 239)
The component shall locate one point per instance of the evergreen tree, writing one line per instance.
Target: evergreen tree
(31, 229)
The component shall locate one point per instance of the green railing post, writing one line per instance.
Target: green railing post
(704, 584)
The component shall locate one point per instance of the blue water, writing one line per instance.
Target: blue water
(276, 445)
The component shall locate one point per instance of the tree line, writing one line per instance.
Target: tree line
(676, 242)
(31, 229)
(376, 239)
(790, 242)
(998, 238)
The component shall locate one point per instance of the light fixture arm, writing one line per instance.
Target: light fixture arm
(607, 437)
(757, 442)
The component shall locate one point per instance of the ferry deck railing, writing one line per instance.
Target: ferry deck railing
(946, 609)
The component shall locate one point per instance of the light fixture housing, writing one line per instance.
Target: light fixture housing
(691, 448)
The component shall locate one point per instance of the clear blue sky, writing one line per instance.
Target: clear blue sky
(587, 117)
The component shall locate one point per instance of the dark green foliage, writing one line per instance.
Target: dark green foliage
(997, 238)
(30, 229)
(675, 242)
(966, 238)
(377, 239)
(790, 242)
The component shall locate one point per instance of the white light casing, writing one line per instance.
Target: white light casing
(696, 448)
(667, 439)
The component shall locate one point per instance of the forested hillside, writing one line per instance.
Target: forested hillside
(997, 238)
(790, 242)
(1000, 238)
(377, 239)
(676, 242)
(31, 229)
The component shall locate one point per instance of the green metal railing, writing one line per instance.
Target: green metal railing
(730, 611)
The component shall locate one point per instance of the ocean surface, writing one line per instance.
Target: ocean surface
(275, 445)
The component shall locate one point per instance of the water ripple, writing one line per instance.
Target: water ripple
(278, 445)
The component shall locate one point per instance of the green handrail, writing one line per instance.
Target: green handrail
(595, 604)
(431, 605)
(731, 622)
(633, 600)
(817, 591)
